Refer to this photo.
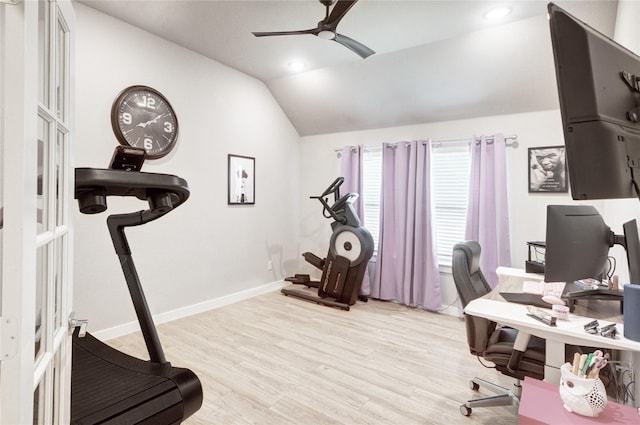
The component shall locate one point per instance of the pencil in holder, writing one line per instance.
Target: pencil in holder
(584, 396)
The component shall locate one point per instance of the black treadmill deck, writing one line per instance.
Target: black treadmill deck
(110, 387)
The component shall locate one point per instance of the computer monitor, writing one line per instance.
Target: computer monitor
(633, 250)
(578, 243)
(599, 90)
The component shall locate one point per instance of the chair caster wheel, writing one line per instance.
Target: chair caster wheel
(474, 385)
(464, 410)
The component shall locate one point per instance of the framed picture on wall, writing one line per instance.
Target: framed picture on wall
(547, 169)
(241, 180)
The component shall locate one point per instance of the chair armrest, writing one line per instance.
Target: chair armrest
(519, 347)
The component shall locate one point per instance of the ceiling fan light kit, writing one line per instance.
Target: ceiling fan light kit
(327, 35)
(327, 28)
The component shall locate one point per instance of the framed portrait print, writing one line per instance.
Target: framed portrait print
(241, 180)
(547, 169)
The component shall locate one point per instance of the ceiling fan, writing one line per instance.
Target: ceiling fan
(326, 28)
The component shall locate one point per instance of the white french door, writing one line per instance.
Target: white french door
(36, 172)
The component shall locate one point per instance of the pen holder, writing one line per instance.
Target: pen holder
(584, 396)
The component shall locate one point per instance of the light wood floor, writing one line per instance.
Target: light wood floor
(278, 360)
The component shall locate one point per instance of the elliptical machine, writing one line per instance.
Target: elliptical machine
(350, 248)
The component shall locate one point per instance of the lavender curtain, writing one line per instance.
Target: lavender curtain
(407, 265)
(487, 213)
(351, 170)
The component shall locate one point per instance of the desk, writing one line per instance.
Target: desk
(571, 331)
(567, 332)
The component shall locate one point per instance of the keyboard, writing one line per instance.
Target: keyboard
(525, 298)
(543, 288)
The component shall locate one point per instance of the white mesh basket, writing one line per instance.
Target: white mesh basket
(584, 396)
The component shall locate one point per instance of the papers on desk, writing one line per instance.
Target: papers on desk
(543, 288)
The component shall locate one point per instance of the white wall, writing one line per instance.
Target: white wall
(205, 249)
(527, 210)
(627, 31)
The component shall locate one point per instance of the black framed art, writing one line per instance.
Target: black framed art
(547, 169)
(241, 180)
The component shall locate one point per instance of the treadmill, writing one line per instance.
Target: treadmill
(108, 386)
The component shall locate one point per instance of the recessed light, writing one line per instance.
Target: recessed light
(497, 13)
(296, 65)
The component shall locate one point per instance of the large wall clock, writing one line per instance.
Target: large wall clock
(142, 117)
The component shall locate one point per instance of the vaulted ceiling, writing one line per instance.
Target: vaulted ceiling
(434, 60)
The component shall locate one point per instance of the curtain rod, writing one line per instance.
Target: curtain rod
(513, 137)
(513, 144)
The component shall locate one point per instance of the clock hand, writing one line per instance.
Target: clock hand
(157, 118)
(154, 120)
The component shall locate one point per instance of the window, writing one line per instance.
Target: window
(450, 166)
(371, 182)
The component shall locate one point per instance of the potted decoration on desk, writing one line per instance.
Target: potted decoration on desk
(581, 389)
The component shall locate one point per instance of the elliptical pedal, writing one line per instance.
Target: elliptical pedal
(299, 279)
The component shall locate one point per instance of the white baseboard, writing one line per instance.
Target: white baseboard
(451, 310)
(190, 310)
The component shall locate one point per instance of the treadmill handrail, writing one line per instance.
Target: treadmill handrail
(163, 192)
(130, 183)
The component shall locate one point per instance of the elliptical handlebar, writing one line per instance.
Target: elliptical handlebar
(326, 208)
(333, 188)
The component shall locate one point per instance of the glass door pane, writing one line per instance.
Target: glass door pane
(41, 300)
(61, 63)
(38, 405)
(58, 277)
(43, 53)
(43, 174)
(61, 183)
(42, 408)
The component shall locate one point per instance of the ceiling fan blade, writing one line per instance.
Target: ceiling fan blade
(267, 34)
(353, 45)
(337, 13)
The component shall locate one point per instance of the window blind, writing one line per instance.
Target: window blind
(450, 170)
(371, 182)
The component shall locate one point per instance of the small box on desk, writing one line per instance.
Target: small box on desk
(534, 263)
(534, 267)
(541, 404)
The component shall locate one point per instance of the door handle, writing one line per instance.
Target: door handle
(78, 323)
